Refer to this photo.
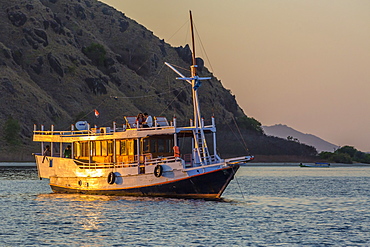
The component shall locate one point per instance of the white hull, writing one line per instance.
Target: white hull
(68, 177)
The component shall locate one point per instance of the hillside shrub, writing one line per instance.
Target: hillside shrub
(249, 123)
(341, 158)
(96, 53)
(12, 131)
(347, 155)
(351, 151)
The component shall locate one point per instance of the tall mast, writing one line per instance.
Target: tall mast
(199, 138)
(198, 134)
(192, 40)
(193, 69)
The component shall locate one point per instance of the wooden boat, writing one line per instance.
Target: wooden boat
(135, 161)
(317, 164)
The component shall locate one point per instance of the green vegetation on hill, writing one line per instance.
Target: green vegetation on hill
(12, 132)
(250, 123)
(346, 155)
(96, 53)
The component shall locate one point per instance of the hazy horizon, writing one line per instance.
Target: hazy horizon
(299, 63)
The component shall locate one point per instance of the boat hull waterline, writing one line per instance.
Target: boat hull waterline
(208, 185)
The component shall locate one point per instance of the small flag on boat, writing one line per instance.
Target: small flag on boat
(96, 113)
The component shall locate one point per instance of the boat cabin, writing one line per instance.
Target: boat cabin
(126, 146)
(123, 150)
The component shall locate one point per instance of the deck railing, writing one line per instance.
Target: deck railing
(68, 133)
(147, 161)
(83, 164)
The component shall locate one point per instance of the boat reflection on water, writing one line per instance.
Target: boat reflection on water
(52, 197)
(81, 198)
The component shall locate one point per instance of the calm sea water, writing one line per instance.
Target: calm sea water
(263, 206)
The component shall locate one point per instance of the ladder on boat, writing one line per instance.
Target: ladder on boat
(202, 148)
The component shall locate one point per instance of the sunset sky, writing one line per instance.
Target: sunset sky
(302, 63)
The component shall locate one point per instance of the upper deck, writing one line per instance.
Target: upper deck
(129, 131)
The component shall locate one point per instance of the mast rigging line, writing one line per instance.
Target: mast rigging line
(88, 113)
(146, 96)
(204, 50)
(178, 30)
(109, 121)
(241, 136)
(238, 139)
(156, 76)
(200, 41)
(170, 102)
(173, 65)
(237, 181)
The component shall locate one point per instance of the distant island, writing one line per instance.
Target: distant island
(327, 151)
(286, 132)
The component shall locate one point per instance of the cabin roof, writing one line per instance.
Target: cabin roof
(85, 135)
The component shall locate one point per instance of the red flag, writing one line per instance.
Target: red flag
(96, 113)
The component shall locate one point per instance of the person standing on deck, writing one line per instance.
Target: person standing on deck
(47, 152)
(68, 152)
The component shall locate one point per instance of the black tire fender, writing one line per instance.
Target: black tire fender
(158, 171)
(111, 178)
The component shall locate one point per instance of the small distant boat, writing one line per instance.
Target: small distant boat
(317, 164)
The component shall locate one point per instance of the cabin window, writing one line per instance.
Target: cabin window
(110, 147)
(146, 147)
(168, 146)
(81, 149)
(77, 149)
(104, 148)
(160, 146)
(161, 143)
(153, 146)
(123, 148)
(92, 148)
(118, 148)
(86, 149)
(130, 147)
(98, 148)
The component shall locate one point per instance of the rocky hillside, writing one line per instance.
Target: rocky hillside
(61, 59)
